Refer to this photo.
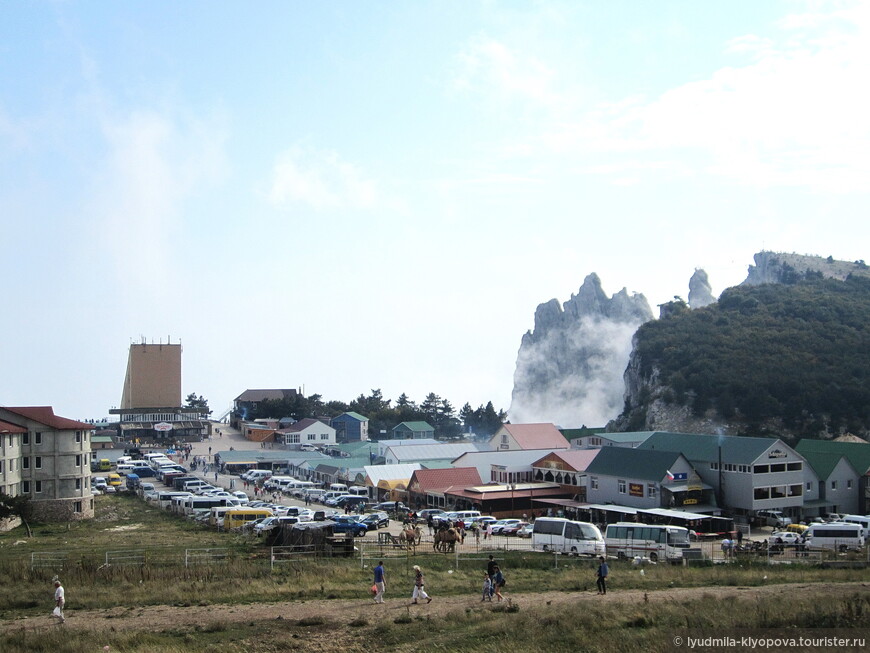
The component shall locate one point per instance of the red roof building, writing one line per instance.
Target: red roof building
(511, 437)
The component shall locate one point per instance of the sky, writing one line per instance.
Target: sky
(353, 195)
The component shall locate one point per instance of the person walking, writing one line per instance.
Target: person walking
(380, 582)
(497, 583)
(419, 592)
(491, 566)
(487, 588)
(59, 601)
(603, 570)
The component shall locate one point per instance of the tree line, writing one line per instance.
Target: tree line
(384, 414)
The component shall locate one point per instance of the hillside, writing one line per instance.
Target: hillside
(791, 359)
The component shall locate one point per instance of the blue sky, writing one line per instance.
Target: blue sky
(353, 195)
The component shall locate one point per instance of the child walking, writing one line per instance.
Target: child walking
(487, 588)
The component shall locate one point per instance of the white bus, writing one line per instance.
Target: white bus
(629, 540)
(566, 536)
(860, 520)
(839, 536)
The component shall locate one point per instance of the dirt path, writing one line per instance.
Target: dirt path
(157, 618)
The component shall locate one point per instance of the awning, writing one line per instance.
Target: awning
(684, 487)
(610, 508)
(702, 508)
(392, 484)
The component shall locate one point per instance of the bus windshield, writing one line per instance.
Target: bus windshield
(678, 538)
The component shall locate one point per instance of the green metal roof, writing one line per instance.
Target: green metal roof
(858, 453)
(822, 463)
(736, 449)
(632, 463)
(638, 436)
(416, 426)
(361, 418)
(570, 434)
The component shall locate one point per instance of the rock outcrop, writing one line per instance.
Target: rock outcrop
(700, 290)
(570, 367)
(779, 267)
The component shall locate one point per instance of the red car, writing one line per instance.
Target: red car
(513, 528)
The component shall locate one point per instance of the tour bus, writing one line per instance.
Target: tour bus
(839, 536)
(629, 540)
(238, 517)
(566, 536)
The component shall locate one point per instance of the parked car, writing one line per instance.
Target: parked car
(423, 515)
(375, 520)
(526, 531)
(349, 524)
(513, 529)
(775, 518)
(241, 496)
(99, 482)
(783, 537)
(268, 524)
(499, 526)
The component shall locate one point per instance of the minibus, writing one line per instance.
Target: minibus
(838, 536)
(238, 517)
(565, 536)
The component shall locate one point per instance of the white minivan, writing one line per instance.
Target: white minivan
(839, 536)
(861, 520)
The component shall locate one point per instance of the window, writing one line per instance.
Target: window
(293, 438)
(77, 506)
(849, 484)
(312, 436)
(324, 436)
(761, 469)
(1, 466)
(25, 463)
(777, 468)
(794, 467)
(38, 487)
(38, 462)
(762, 493)
(78, 461)
(809, 486)
(593, 482)
(78, 436)
(651, 490)
(795, 490)
(834, 485)
(25, 487)
(37, 438)
(620, 486)
(714, 466)
(78, 484)
(25, 438)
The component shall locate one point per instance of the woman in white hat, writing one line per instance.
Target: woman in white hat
(419, 592)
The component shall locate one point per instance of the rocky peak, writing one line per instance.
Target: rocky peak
(700, 290)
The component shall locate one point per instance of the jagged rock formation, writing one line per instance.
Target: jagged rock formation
(700, 290)
(569, 368)
(778, 267)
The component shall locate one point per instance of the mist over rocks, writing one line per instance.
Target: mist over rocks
(700, 290)
(570, 367)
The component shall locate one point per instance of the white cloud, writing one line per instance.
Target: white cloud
(154, 161)
(795, 115)
(320, 179)
(488, 65)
